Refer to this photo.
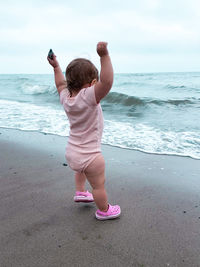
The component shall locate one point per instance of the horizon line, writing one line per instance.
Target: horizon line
(145, 72)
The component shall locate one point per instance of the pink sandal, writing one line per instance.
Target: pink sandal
(112, 213)
(83, 197)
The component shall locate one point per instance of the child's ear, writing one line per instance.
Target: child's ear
(93, 81)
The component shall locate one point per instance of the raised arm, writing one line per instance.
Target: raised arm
(58, 75)
(103, 86)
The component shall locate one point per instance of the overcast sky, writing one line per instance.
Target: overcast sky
(142, 35)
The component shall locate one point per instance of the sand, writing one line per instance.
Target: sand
(40, 225)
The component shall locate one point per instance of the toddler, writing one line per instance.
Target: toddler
(80, 95)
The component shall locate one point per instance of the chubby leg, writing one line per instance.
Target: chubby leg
(95, 174)
(80, 180)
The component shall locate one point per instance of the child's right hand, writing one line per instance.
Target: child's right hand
(53, 62)
(102, 49)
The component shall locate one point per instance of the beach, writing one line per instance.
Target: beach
(41, 225)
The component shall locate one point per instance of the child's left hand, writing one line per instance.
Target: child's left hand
(53, 62)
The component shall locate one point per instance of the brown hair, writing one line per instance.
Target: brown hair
(79, 72)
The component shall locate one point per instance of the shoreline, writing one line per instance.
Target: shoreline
(41, 225)
(103, 144)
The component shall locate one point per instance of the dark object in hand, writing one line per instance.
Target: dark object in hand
(50, 55)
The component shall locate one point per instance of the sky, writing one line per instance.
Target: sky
(142, 36)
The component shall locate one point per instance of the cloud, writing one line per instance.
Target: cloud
(153, 28)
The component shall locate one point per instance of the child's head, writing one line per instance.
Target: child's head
(79, 73)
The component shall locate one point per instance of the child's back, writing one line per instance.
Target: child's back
(86, 119)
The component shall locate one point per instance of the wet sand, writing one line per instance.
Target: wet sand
(41, 225)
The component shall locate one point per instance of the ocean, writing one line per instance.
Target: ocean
(150, 112)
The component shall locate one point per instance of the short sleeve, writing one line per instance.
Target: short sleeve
(63, 95)
(88, 94)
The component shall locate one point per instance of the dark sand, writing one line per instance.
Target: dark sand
(40, 225)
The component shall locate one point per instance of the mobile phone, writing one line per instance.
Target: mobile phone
(50, 54)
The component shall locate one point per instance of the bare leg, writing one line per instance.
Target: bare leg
(95, 174)
(80, 180)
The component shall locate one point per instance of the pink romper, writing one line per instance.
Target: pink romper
(86, 127)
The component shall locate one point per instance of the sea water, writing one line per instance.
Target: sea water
(151, 112)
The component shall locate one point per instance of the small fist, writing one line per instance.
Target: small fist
(53, 62)
(102, 49)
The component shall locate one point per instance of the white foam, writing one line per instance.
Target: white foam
(141, 137)
(26, 116)
(151, 140)
(30, 89)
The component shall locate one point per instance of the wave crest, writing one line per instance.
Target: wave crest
(126, 100)
(123, 99)
(38, 89)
